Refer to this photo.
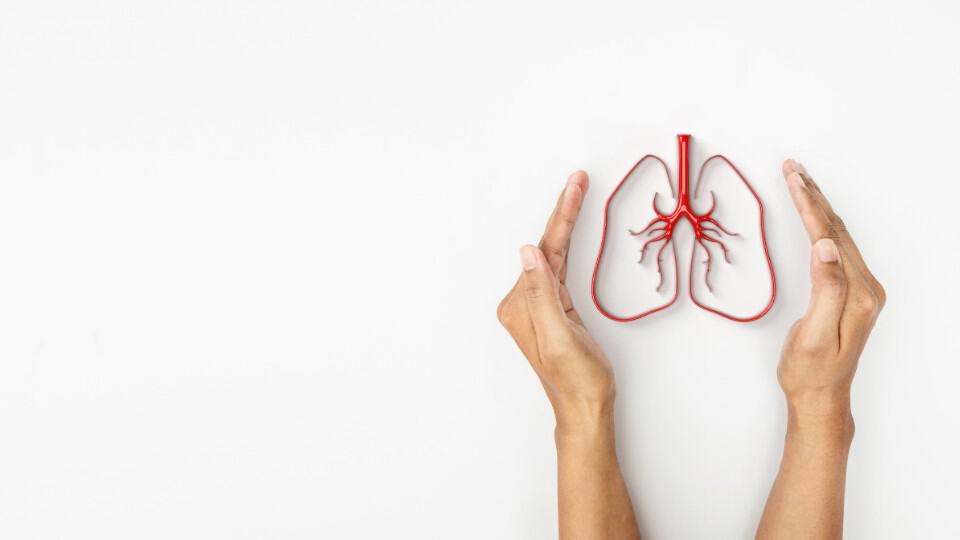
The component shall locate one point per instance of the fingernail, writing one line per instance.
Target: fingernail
(801, 168)
(566, 188)
(528, 257)
(570, 183)
(571, 192)
(827, 251)
(796, 179)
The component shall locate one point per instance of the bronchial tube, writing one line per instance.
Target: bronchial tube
(683, 162)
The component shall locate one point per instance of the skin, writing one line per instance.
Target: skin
(816, 370)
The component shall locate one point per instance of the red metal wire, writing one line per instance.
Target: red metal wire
(703, 235)
(603, 240)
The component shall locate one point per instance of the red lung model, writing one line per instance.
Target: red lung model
(708, 231)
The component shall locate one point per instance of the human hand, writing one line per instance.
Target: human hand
(816, 370)
(539, 314)
(822, 349)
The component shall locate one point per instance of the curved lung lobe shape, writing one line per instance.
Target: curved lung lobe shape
(715, 241)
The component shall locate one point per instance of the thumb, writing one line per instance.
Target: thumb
(542, 293)
(828, 294)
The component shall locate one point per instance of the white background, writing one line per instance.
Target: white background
(250, 254)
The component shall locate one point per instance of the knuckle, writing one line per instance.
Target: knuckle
(555, 252)
(864, 302)
(505, 312)
(836, 223)
(809, 346)
(801, 342)
(806, 348)
(805, 344)
(881, 296)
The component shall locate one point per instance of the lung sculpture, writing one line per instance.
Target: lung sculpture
(708, 231)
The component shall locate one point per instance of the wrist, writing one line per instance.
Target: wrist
(582, 422)
(823, 416)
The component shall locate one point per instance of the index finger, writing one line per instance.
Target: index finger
(556, 236)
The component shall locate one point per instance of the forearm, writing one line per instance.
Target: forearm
(593, 498)
(807, 497)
